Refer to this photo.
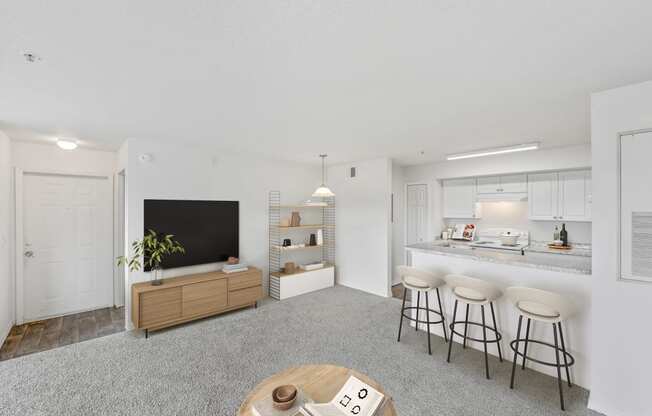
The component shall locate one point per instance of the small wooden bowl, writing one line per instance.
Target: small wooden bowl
(283, 397)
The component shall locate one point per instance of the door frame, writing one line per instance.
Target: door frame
(406, 253)
(119, 236)
(19, 278)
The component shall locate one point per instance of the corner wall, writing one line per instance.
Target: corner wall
(187, 172)
(622, 364)
(363, 236)
(6, 276)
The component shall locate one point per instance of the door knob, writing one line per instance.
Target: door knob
(29, 253)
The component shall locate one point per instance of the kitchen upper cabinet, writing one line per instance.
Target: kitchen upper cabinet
(502, 184)
(543, 195)
(459, 198)
(560, 196)
(575, 196)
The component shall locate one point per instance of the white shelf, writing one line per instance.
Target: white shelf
(303, 227)
(302, 206)
(286, 286)
(281, 248)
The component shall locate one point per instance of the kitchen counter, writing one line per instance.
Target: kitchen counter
(539, 256)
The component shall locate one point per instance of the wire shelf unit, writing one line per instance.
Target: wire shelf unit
(275, 211)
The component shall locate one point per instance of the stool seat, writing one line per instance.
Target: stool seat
(418, 279)
(471, 290)
(540, 305)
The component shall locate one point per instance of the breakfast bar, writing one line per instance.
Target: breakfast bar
(567, 273)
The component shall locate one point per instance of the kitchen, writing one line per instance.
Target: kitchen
(496, 218)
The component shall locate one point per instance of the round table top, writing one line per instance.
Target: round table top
(320, 382)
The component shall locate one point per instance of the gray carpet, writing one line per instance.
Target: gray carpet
(208, 367)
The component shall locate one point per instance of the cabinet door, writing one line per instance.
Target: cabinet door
(513, 183)
(575, 195)
(543, 196)
(459, 198)
(489, 185)
(204, 297)
(159, 307)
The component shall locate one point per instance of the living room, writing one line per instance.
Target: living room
(325, 208)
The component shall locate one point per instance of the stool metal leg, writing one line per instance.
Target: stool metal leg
(563, 347)
(561, 392)
(428, 323)
(443, 324)
(527, 335)
(416, 324)
(400, 326)
(493, 315)
(450, 342)
(466, 325)
(484, 333)
(518, 336)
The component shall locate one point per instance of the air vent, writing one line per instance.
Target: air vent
(353, 172)
(642, 244)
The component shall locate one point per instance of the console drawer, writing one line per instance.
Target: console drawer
(244, 281)
(245, 296)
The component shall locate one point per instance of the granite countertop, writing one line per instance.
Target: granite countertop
(577, 261)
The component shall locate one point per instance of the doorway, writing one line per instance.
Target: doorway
(64, 236)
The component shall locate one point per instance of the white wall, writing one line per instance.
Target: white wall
(622, 362)
(363, 233)
(559, 158)
(6, 279)
(50, 158)
(186, 172)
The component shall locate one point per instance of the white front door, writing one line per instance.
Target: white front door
(417, 220)
(68, 237)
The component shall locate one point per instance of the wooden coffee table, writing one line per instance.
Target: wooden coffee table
(320, 382)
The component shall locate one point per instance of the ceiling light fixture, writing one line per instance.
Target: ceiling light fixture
(494, 151)
(66, 144)
(323, 191)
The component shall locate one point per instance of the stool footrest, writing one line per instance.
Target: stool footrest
(489, 341)
(419, 321)
(569, 357)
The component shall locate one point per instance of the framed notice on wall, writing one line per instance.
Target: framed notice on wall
(636, 206)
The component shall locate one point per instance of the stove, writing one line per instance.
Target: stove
(490, 239)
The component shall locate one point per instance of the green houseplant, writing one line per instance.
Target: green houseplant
(151, 251)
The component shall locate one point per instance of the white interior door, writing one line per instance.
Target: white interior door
(416, 220)
(68, 238)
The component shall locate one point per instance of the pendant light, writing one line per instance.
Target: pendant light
(323, 191)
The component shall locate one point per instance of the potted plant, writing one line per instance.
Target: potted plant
(151, 250)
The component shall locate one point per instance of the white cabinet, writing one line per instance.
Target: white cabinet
(563, 196)
(575, 196)
(508, 184)
(459, 198)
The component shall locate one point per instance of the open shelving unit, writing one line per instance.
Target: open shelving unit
(284, 285)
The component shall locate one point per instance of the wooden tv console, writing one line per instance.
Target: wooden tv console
(186, 298)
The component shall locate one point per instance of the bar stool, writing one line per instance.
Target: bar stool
(473, 291)
(547, 307)
(421, 281)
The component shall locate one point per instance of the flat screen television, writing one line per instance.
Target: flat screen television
(208, 230)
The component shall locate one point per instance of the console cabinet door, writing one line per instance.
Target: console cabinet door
(543, 196)
(205, 297)
(159, 306)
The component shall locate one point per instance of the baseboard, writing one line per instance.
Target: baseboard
(5, 331)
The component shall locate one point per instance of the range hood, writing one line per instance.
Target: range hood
(502, 196)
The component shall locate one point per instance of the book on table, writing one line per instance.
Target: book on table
(354, 398)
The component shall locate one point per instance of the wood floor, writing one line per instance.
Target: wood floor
(57, 332)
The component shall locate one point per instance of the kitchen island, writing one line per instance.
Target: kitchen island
(567, 274)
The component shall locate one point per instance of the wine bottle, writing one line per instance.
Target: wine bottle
(563, 235)
(555, 235)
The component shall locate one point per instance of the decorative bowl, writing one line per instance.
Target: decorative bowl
(283, 397)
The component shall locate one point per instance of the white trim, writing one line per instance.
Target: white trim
(119, 232)
(19, 231)
(18, 280)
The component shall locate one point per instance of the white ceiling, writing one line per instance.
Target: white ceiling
(293, 78)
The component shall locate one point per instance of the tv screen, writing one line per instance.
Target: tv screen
(208, 230)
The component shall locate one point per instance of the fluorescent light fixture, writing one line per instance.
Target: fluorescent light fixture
(494, 151)
(66, 144)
